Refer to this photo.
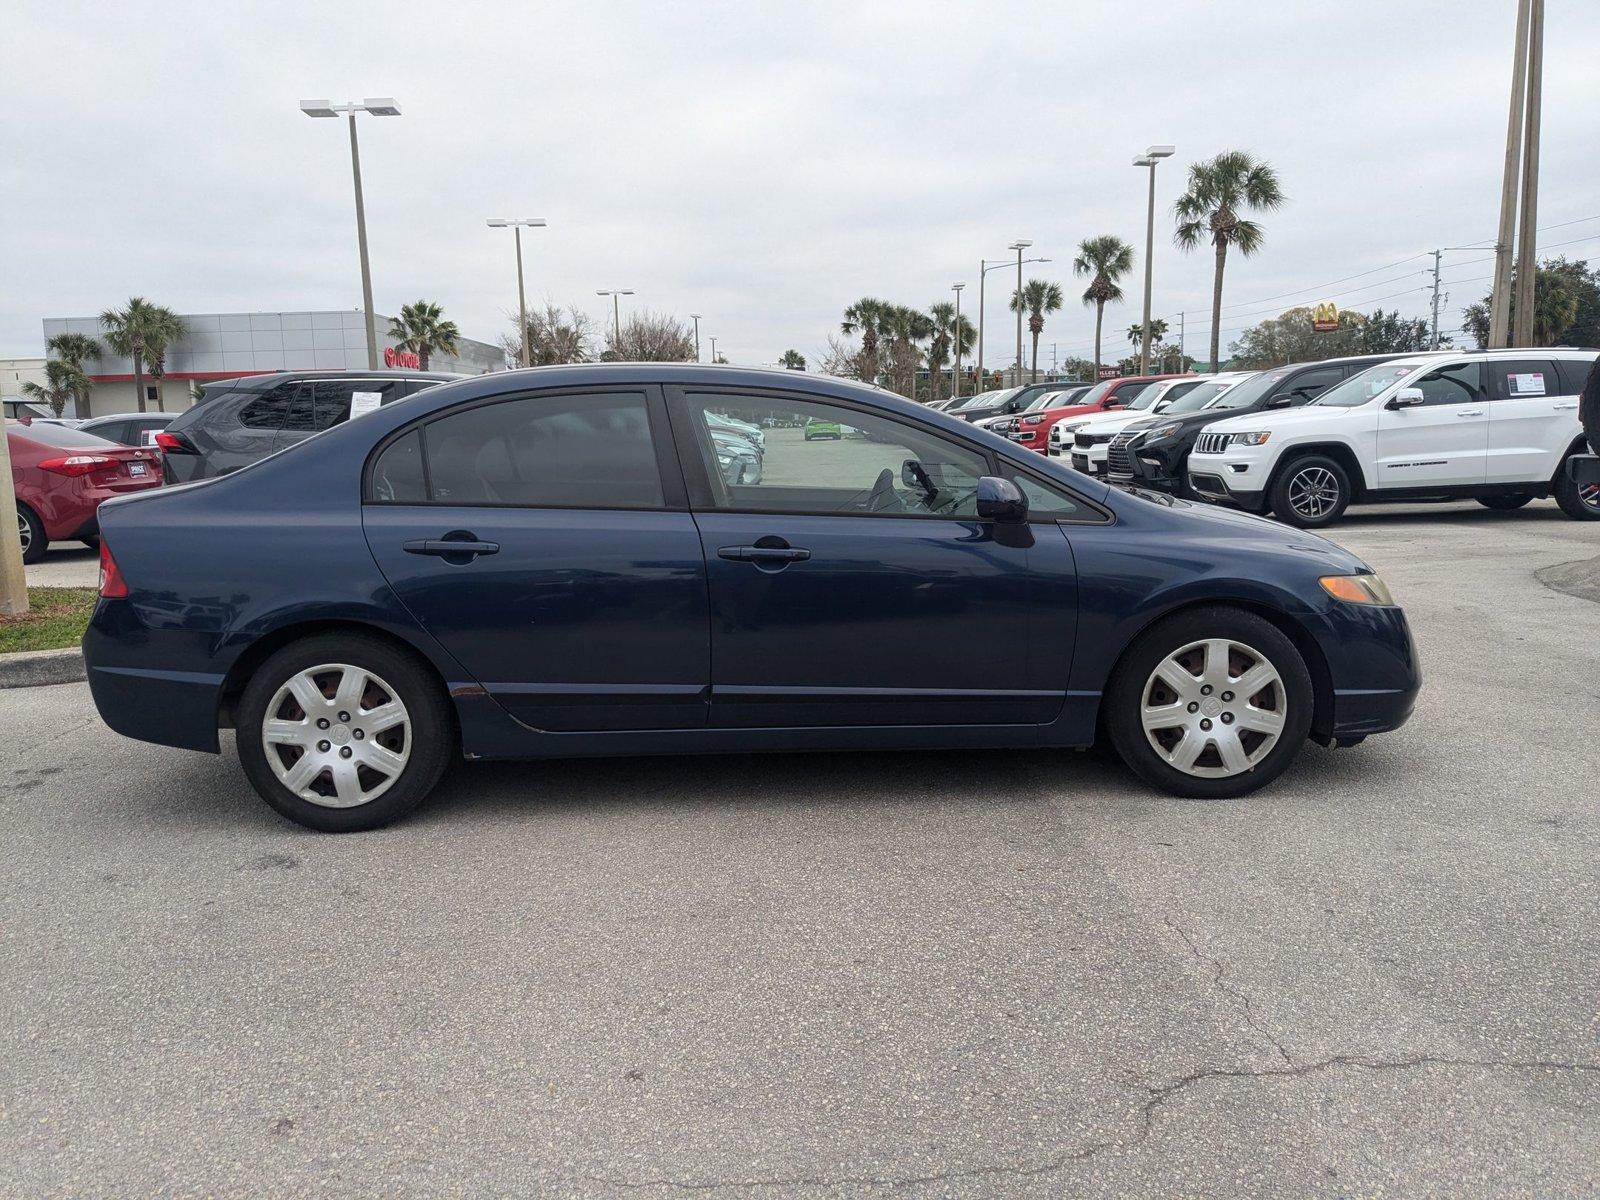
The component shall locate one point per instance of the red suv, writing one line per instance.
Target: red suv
(61, 475)
(1033, 429)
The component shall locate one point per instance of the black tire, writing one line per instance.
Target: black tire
(1579, 503)
(1329, 494)
(30, 530)
(1506, 503)
(432, 739)
(92, 542)
(1125, 698)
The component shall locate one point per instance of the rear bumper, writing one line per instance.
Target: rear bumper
(170, 708)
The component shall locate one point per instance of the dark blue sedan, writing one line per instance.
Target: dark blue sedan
(574, 561)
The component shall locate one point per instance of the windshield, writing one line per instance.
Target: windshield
(1358, 389)
(987, 399)
(1199, 398)
(1248, 391)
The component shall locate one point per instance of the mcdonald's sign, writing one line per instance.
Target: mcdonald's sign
(1325, 317)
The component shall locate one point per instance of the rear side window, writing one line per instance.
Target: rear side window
(1523, 379)
(1573, 372)
(334, 397)
(582, 451)
(267, 410)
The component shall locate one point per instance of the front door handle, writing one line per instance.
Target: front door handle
(764, 554)
(1470, 412)
(448, 548)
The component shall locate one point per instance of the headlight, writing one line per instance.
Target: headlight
(1162, 431)
(1032, 420)
(1250, 439)
(725, 459)
(1073, 427)
(1357, 589)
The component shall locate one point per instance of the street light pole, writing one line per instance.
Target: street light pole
(984, 267)
(522, 300)
(1151, 156)
(616, 314)
(713, 350)
(696, 318)
(1019, 246)
(955, 344)
(378, 107)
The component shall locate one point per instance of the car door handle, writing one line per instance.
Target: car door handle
(1470, 412)
(764, 554)
(445, 547)
(1566, 407)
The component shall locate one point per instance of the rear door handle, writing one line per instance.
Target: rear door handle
(764, 554)
(1470, 412)
(1566, 407)
(445, 547)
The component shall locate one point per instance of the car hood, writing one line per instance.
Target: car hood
(1230, 525)
(1111, 422)
(1284, 418)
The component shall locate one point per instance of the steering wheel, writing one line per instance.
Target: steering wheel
(884, 498)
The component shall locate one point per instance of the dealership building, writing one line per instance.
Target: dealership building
(228, 345)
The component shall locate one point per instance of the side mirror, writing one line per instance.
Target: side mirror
(1001, 500)
(1283, 401)
(1114, 405)
(1406, 398)
(1161, 406)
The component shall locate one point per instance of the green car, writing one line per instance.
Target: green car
(823, 429)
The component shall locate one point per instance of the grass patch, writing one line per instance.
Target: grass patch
(56, 618)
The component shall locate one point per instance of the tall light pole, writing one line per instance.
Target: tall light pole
(1151, 156)
(696, 318)
(955, 343)
(516, 224)
(616, 313)
(382, 106)
(713, 350)
(1019, 246)
(984, 267)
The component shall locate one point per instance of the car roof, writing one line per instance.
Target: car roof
(342, 373)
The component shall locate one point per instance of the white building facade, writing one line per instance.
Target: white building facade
(228, 345)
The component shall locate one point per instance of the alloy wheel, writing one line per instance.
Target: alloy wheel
(24, 532)
(1214, 708)
(1589, 494)
(1313, 492)
(337, 735)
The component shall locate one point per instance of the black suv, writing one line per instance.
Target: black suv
(238, 421)
(1155, 453)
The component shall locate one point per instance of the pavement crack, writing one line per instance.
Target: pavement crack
(1219, 976)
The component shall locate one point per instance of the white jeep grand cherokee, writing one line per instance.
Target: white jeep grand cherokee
(1494, 426)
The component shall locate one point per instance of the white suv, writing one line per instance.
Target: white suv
(1493, 426)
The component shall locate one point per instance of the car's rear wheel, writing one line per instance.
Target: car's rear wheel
(30, 530)
(1311, 492)
(344, 732)
(1506, 503)
(1210, 703)
(1580, 501)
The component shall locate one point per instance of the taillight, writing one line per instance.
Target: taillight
(77, 464)
(173, 443)
(112, 585)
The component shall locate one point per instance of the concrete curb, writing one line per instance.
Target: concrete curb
(37, 668)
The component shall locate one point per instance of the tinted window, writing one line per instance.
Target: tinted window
(397, 476)
(299, 409)
(1128, 392)
(587, 451)
(114, 431)
(826, 459)
(1573, 372)
(1522, 379)
(1308, 384)
(1358, 389)
(266, 411)
(1460, 384)
(1044, 500)
(333, 397)
(1249, 392)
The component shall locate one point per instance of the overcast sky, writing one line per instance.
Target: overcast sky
(764, 164)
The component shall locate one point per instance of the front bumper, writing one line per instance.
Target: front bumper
(1238, 476)
(1158, 468)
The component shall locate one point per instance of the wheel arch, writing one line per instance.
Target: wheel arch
(1311, 652)
(1580, 445)
(1340, 452)
(268, 644)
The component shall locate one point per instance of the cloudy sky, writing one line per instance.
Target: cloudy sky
(762, 163)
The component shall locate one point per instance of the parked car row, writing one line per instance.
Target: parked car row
(60, 476)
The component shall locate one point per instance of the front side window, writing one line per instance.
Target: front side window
(1460, 384)
(1044, 500)
(825, 459)
(589, 450)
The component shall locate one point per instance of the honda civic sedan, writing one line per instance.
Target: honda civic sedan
(550, 563)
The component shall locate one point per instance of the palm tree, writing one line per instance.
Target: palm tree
(1104, 260)
(62, 381)
(866, 317)
(75, 349)
(422, 329)
(1158, 330)
(792, 360)
(1219, 191)
(1038, 297)
(948, 337)
(905, 327)
(142, 331)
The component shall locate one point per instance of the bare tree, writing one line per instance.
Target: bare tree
(651, 337)
(841, 358)
(555, 336)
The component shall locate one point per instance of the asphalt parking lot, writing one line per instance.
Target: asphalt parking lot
(988, 974)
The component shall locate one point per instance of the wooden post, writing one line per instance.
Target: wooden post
(13, 580)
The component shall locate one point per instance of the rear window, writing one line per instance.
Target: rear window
(60, 435)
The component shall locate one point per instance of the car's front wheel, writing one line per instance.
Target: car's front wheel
(1210, 703)
(343, 732)
(1311, 492)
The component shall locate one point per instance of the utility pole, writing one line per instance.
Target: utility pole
(696, 317)
(1181, 317)
(1500, 295)
(713, 349)
(955, 345)
(1527, 270)
(13, 578)
(1433, 342)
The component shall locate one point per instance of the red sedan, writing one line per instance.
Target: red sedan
(61, 476)
(1033, 429)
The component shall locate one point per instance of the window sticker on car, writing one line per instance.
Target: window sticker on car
(1530, 384)
(362, 403)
